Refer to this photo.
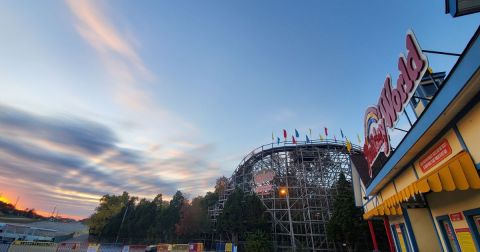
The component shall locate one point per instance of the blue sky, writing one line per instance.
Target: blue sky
(153, 96)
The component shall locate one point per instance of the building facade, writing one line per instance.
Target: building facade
(427, 189)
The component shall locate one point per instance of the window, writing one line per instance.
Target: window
(448, 234)
(473, 220)
(401, 237)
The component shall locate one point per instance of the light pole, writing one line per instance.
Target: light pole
(284, 192)
(121, 223)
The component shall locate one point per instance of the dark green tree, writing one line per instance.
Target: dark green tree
(258, 241)
(101, 221)
(171, 216)
(346, 226)
(242, 213)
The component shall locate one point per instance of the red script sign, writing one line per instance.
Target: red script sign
(392, 102)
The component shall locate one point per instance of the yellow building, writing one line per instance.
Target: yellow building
(427, 189)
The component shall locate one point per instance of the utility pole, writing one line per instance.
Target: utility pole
(53, 212)
(16, 202)
(121, 223)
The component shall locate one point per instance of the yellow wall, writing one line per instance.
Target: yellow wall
(405, 179)
(419, 109)
(388, 191)
(454, 144)
(423, 229)
(469, 129)
(444, 203)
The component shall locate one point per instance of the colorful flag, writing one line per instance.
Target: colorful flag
(341, 133)
(293, 140)
(278, 140)
(321, 137)
(273, 138)
(306, 137)
(349, 146)
(285, 134)
(310, 130)
(359, 139)
(296, 133)
(326, 132)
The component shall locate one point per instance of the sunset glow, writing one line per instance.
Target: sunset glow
(151, 97)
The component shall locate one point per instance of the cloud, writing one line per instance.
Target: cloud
(122, 61)
(71, 162)
(83, 135)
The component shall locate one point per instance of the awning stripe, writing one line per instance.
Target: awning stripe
(459, 173)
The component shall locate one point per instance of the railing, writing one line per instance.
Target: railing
(299, 144)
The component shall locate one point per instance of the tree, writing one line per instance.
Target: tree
(231, 218)
(109, 207)
(242, 213)
(193, 219)
(258, 242)
(221, 185)
(171, 216)
(346, 226)
(150, 221)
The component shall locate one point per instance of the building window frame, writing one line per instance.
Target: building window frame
(405, 235)
(440, 220)
(472, 226)
(393, 229)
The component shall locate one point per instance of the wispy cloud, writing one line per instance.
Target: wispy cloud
(116, 50)
(71, 162)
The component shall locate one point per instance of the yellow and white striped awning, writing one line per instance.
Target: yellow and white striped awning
(459, 173)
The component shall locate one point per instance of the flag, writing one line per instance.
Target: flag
(349, 146)
(306, 137)
(285, 134)
(273, 138)
(296, 133)
(278, 140)
(321, 137)
(310, 130)
(293, 140)
(359, 139)
(341, 133)
(326, 131)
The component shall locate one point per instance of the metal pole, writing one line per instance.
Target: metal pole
(292, 237)
(386, 223)
(442, 53)
(372, 234)
(123, 219)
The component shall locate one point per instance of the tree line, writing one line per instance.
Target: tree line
(181, 220)
(243, 220)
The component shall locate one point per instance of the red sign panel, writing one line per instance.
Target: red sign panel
(393, 100)
(459, 230)
(437, 154)
(263, 182)
(456, 216)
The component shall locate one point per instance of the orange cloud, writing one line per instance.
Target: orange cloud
(116, 52)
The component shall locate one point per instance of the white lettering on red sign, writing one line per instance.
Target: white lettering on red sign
(437, 154)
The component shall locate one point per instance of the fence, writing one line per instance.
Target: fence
(28, 246)
(22, 246)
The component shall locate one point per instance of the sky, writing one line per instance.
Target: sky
(101, 97)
